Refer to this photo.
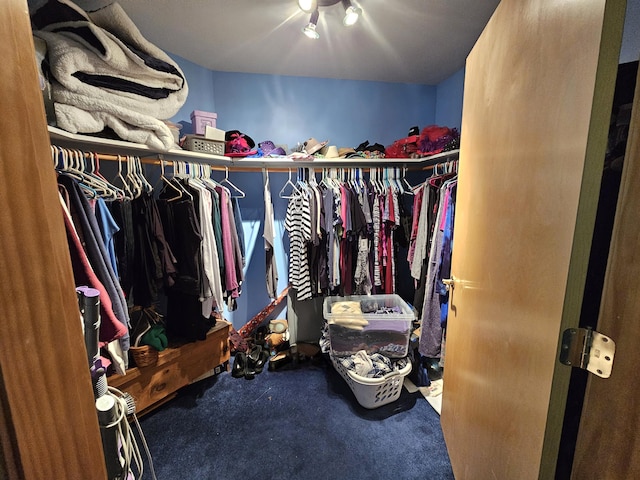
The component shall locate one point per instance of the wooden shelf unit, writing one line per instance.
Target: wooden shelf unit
(177, 367)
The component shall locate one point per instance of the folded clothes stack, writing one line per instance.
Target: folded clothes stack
(106, 76)
(348, 314)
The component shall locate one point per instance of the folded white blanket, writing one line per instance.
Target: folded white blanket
(104, 66)
(127, 124)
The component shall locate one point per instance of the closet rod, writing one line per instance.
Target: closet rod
(258, 164)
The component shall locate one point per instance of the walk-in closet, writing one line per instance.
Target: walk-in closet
(319, 239)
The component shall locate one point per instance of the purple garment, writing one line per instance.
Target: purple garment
(228, 248)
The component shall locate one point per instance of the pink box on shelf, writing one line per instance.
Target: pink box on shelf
(201, 119)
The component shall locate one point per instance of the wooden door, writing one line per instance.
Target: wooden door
(49, 426)
(537, 100)
(608, 444)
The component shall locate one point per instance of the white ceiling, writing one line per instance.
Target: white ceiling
(407, 41)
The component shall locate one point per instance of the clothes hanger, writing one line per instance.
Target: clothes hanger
(302, 182)
(407, 186)
(146, 186)
(114, 193)
(373, 180)
(168, 184)
(128, 194)
(77, 166)
(66, 167)
(295, 191)
(360, 178)
(207, 179)
(132, 179)
(353, 182)
(100, 184)
(237, 193)
(71, 167)
(328, 178)
(395, 183)
(181, 171)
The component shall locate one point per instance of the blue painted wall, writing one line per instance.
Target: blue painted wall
(288, 110)
(201, 94)
(449, 96)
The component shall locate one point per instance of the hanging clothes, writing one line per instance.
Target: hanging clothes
(271, 275)
(111, 329)
(298, 225)
(436, 295)
(123, 240)
(355, 249)
(210, 284)
(153, 260)
(86, 225)
(231, 250)
(108, 228)
(179, 210)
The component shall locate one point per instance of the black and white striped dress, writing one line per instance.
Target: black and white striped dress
(298, 226)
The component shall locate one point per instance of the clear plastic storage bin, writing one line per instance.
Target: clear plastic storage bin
(374, 323)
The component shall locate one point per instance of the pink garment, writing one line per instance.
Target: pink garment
(389, 283)
(228, 250)
(110, 327)
(343, 210)
(417, 205)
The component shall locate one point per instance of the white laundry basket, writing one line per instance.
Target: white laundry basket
(373, 392)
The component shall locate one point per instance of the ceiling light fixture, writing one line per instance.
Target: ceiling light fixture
(307, 6)
(310, 29)
(351, 15)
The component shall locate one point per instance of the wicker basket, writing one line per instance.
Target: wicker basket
(197, 143)
(144, 356)
(373, 392)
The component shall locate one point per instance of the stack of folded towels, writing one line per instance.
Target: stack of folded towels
(106, 75)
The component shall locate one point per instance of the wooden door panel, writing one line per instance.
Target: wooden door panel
(533, 139)
(608, 441)
(50, 426)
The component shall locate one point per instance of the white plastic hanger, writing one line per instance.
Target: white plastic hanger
(296, 191)
(128, 194)
(168, 183)
(236, 192)
(407, 186)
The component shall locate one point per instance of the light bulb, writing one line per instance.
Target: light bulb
(307, 6)
(351, 16)
(310, 31)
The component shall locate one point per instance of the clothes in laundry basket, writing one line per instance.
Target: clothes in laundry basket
(375, 365)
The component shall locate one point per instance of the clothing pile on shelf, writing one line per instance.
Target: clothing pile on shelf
(105, 76)
(344, 235)
(187, 247)
(432, 140)
(429, 256)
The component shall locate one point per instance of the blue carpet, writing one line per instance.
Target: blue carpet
(292, 424)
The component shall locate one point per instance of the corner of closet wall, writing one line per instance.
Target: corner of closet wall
(201, 93)
(449, 98)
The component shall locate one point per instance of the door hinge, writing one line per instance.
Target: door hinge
(587, 349)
